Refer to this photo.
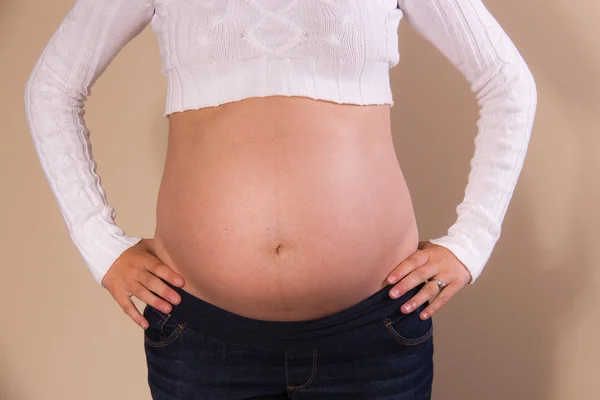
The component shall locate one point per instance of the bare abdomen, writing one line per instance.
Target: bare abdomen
(284, 220)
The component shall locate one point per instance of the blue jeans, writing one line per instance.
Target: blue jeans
(368, 351)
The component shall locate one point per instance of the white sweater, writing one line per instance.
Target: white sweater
(218, 51)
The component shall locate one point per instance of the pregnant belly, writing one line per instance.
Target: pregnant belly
(284, 226)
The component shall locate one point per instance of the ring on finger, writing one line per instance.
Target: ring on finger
(441, 284)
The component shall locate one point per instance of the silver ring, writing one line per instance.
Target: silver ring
(441, 284)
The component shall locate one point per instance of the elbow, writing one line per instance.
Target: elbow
(32, 88)
(37, 97)
(525, 83)
(511, 90)
(35, 85)
(521, 98)
(29, 86)
(528, 96)
(533, 94)
(47, 92)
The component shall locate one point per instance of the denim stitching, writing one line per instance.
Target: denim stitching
(402, 340)
(175, 335)
(163, 320)
(312, 376)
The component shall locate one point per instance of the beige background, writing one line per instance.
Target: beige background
(528, 329)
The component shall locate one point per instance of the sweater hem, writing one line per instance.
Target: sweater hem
(210, 85)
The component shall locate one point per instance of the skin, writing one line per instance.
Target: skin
(430, 261)
(231, 215)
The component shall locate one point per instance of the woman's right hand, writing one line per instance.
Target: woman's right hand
(136, 273)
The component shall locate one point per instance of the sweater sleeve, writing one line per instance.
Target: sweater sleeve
(467, 34)
(86, 41)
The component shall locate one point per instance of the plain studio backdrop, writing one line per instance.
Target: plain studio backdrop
(528, 329)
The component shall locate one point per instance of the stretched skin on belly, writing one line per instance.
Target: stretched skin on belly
(285, 225)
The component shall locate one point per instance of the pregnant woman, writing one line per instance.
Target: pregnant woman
(286, 261)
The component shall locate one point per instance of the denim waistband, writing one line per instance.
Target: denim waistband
(339, 327)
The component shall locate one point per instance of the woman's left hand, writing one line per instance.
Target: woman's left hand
(430, 261)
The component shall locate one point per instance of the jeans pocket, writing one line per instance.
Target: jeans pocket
(409, 329)
(163, 328)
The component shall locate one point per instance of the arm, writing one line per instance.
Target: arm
(86, 41)
(472, 40)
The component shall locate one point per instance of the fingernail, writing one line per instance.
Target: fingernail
(394, 292)
(144, 325)
(408, 307)
(425, 315)
(392, 279)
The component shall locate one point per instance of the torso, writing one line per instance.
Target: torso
(283, 208)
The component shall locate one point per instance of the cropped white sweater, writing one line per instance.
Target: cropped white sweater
(218, 51)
